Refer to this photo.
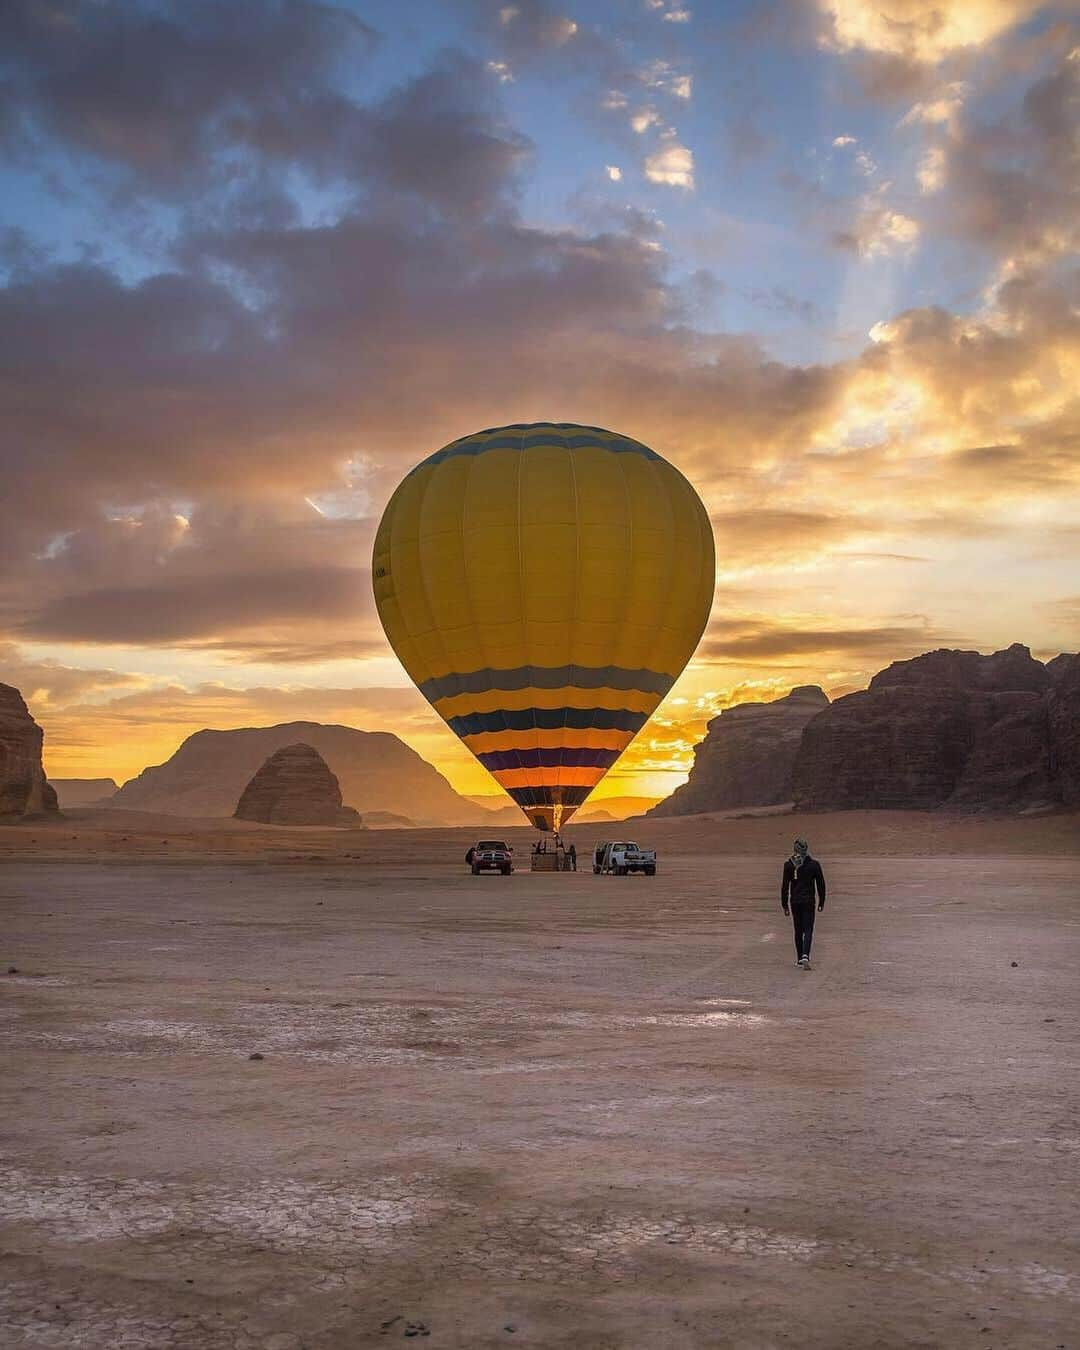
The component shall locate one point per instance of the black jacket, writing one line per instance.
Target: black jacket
(798, 886)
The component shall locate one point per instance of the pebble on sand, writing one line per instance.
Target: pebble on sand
(256, 1055)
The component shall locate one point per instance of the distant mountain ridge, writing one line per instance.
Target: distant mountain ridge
(83, 791)
(377, 771)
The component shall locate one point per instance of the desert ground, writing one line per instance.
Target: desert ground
(267, 1089)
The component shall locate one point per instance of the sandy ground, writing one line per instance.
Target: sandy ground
(545, 1110)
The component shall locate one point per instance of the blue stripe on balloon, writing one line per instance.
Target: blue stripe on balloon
(548, 719)
(546, 677)
(532, 434)
(580, 758)
(549, 796)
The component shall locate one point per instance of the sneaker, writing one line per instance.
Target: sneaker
(806, 963)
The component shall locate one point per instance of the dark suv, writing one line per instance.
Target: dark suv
(490, 855)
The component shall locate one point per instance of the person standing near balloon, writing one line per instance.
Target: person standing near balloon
(802, 876)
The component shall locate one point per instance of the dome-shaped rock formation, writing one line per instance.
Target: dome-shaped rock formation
(24, 790)
(295, 787)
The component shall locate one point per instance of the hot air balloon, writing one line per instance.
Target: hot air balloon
(544, 585)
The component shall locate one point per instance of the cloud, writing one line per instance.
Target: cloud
(1064, 613)
(643, 119)
(613, 172)
(672, 164)
(190, 108)
(48, 682)
(941, 109)
(539, 35)
(842, 141)
(173, 614)
(660, 74)
(670, 11)
(238, 580)
(1013, 183)
(163, 429)
(531, 24)
(776, 535)
(931, 172)
(878, 231)
(191, 75)
(923, 31)
(764, 641)
(779, 300)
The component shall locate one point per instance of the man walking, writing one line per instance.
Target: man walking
(802, 875)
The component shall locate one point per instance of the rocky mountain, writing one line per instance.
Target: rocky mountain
(747, 756)
(295, 787)
(950, 728)
(1063, 709)
(24, 790)
(376, 771)
(82, 791)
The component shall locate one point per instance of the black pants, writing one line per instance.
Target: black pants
(802, 919)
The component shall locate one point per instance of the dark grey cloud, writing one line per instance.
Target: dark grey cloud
(236, 579)
(1012, 185)
(174, 613)
(201, 96)
(156, 88)
(740, 641)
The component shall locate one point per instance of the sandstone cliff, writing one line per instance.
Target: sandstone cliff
(376, 772)
(949, 728)
(24, 790)
(295, 787)
(1063, 707)
(747, 756)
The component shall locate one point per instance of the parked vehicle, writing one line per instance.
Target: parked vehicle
(490, 855)
(622, 858)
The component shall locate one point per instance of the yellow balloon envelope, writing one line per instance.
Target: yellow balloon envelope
(544, 585)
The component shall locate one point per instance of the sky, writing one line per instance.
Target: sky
(257, 259)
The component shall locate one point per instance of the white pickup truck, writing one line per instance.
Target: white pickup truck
(621, 858)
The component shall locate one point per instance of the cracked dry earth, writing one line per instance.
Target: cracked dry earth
(546, 1111)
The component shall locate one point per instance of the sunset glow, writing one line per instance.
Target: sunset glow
(821, 257)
